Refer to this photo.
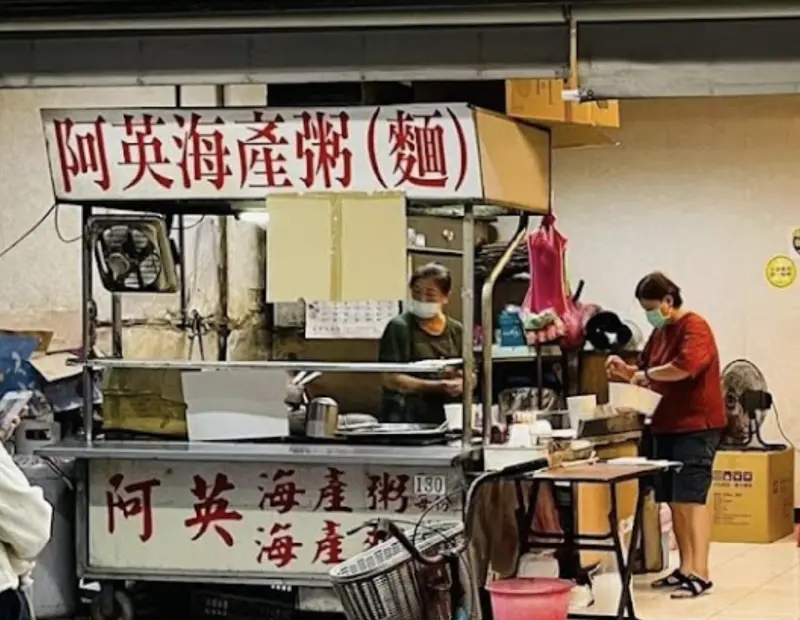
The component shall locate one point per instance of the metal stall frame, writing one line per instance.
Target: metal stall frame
(446, 457)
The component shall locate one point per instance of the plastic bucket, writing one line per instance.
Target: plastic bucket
(530, 599)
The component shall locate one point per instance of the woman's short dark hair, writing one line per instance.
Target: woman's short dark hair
(439, 274)
(656, 286)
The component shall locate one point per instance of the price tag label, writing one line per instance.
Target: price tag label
(430, 486)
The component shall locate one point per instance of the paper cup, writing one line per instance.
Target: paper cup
(581, 408)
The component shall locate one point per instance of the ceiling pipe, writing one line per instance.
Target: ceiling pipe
(319, 20)
(682, 11)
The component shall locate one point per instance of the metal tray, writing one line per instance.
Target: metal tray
(422, 431)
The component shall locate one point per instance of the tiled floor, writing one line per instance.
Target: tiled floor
(751, 582)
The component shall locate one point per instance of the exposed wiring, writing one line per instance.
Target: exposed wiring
(61, 236)
(780, 427)
(29, 232)
(194, 224)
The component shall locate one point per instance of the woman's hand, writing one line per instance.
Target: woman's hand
(616, 368)
(452, 387)
(640, 378)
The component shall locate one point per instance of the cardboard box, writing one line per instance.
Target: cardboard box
(752, 496)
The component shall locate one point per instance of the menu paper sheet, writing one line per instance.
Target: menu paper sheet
(349, 319)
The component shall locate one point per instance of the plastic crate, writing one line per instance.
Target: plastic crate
(227, 606)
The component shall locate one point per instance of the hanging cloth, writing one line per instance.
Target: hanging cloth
(548, 292)
(546, 252)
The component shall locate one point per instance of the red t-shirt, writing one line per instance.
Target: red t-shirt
(695, 403)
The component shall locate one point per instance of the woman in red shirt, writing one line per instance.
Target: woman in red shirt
(680, 361)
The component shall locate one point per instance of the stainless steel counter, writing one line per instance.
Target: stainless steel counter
(312, 453)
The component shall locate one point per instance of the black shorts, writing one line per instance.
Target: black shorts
(14, 606)
(691, 483)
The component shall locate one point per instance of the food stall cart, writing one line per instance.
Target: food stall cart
(277, 513)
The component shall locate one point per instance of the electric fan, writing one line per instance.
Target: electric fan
(746, 404)
(133, 253)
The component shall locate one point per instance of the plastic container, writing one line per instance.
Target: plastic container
(530, 599)
(511, 333)
(629, 397)
(581, 408)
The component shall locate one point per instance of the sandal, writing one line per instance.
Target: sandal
(674, 580)
(692, 587)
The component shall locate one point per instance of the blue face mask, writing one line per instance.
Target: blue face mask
(655, 318)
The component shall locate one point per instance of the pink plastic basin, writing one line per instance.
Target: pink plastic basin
(530, 599)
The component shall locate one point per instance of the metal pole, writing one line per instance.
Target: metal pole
(116, 324)
(88, 312)
(222, 266)
(487, 321)
(468, 317)
(184, 301)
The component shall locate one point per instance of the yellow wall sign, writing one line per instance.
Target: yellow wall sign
(781, 271)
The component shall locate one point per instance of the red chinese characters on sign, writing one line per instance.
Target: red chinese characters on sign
(388, 492)
(332, 495)
(418, 148)
(144, 151)
(131, 500)
(329, 547)
(282, 493)
(212, 508)
(262, 159)
(418, 151)
(82, 152)
(278, 546)
(203, 153)
(322, 146)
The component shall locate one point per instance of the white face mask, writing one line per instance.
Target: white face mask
(423, 309)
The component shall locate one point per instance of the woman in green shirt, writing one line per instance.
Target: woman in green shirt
(422, 332)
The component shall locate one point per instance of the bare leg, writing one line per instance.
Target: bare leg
(681, 523)
(700, 531)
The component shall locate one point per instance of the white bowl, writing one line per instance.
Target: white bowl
(629, 397)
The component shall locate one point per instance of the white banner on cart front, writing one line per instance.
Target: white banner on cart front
(427, 151)
(265, 519)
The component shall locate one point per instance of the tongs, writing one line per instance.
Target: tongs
(302, 379)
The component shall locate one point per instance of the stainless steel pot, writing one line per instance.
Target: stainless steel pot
(322, 418)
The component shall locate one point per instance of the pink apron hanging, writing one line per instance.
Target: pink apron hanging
(548, 289)
(546, 251)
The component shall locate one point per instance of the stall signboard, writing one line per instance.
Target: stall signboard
(426, 151)
(271, 520)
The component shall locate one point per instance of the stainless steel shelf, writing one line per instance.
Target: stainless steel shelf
(412, 456)
(415, 249)
(429, 366)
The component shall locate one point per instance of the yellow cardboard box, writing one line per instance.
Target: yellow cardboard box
(752, 496)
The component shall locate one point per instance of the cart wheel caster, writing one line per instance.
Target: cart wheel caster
(121, 607)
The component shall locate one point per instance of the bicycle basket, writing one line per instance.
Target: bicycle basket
(384, 583)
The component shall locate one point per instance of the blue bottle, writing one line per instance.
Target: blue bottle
(511, 333)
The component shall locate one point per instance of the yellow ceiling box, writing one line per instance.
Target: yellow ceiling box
(574, 124)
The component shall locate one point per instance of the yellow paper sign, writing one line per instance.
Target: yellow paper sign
(781, 272)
